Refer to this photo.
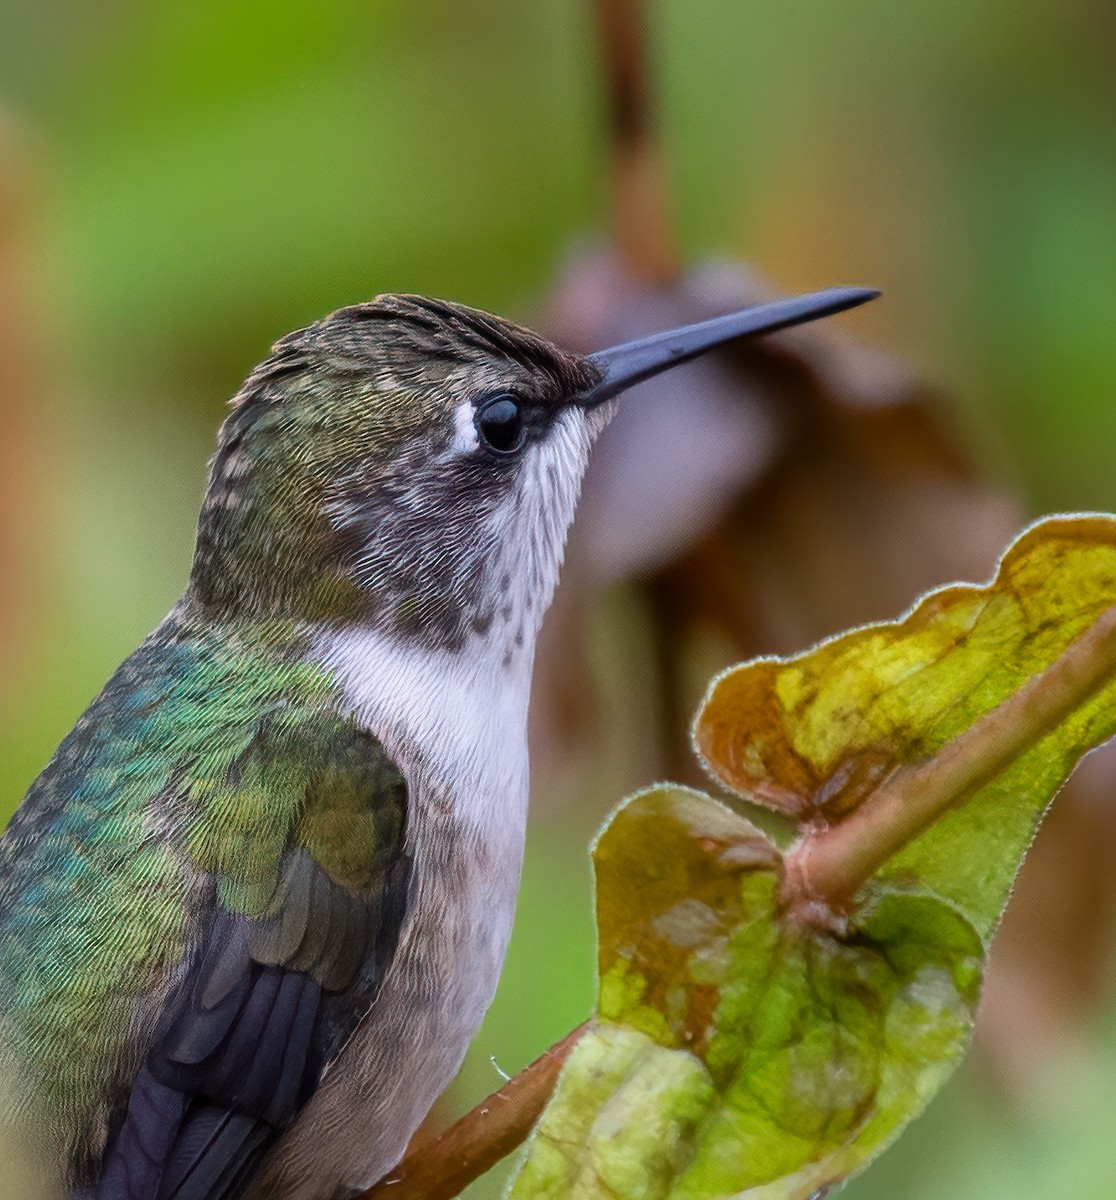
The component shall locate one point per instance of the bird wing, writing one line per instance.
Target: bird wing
(302, 837)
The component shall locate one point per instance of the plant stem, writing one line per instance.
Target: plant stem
(830, 864)
(441, 1167)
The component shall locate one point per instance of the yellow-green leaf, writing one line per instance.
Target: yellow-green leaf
(821, 734)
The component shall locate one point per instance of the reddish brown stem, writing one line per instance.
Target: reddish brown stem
(441, 1167)
(830, 865)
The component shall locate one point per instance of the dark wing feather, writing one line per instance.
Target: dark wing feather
(268, 998)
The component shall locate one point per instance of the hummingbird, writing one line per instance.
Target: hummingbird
(255, 906)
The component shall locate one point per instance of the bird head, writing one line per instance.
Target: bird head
(414, 465)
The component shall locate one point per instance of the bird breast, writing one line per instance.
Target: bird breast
(456, 725)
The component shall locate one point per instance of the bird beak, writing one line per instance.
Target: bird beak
(623, 366)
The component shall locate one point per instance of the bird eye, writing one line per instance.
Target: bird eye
(500, 424)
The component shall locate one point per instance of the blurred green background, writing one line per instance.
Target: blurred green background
(182, 183)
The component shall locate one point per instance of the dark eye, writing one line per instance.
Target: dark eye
(500, 424)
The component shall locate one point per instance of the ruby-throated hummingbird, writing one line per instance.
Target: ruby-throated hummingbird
(254, 908)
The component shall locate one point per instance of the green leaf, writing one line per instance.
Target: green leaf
(768, 1022)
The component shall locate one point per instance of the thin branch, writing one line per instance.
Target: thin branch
(831, 864)
(442, 1167)
(641, 209)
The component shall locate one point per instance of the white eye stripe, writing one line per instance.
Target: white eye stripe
(465, 438)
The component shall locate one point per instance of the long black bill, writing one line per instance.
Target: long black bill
(633, 362)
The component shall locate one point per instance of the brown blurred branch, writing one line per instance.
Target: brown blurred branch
(641, 210)
(442, 1167)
